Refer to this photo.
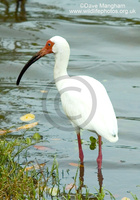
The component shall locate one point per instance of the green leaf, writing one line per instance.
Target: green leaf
(28, 141)
(92, 146)
(92, 139)
(36, 136)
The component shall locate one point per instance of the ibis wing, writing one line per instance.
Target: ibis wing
(90, 111)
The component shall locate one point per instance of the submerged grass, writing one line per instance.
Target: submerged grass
(18, 183)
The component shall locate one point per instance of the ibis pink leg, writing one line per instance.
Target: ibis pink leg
(99, 159)
(81, 155)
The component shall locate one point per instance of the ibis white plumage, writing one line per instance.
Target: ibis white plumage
(84, 99)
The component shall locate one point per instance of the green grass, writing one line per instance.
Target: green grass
(16, 183)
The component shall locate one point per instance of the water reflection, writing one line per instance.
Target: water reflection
(81, 178)
(18, 15)
(22, 13)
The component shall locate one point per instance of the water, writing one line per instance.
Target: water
(105, 46)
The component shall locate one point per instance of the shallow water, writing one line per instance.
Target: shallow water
(105, 46)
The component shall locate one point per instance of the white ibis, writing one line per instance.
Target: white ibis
(78, 104)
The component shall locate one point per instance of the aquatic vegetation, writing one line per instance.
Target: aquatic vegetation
(14, 183)
(38, 181)
(27, 117)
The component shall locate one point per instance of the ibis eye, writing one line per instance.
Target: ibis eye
(49, 44)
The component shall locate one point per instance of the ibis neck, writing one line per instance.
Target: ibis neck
(60, 69)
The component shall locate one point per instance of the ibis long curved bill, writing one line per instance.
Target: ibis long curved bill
(45, 50)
